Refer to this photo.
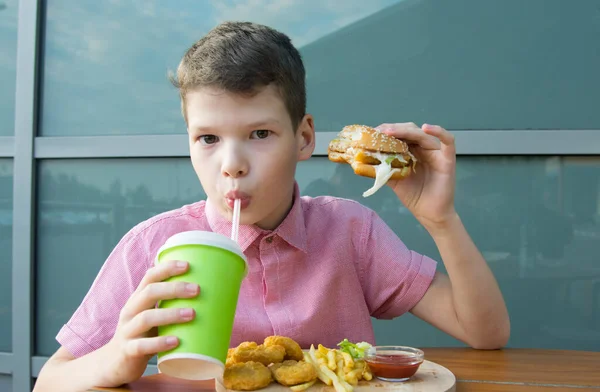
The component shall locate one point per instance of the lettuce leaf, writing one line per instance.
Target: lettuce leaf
(389, 160)
(356, 350)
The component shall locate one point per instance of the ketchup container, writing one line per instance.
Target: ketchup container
(394, 363)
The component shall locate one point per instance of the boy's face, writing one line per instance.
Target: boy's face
(245, 147)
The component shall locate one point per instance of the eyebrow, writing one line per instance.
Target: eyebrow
(253, 125)
(268, 121)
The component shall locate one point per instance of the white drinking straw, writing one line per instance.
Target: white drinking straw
(235, 222)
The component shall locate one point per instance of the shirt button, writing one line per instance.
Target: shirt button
(269, 239)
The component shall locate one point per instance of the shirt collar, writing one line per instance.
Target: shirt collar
(292, 229)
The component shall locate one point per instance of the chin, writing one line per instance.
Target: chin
(247, 220)
(247, 217)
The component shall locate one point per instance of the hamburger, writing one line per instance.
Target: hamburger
(373, 154)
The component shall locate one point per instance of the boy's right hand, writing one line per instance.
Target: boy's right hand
(135, 340)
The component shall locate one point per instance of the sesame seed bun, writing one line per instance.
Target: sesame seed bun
(367, 138)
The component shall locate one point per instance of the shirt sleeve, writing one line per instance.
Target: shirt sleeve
(394, 278)
(94, 322)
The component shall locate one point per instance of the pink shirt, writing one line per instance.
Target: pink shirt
(319, 277)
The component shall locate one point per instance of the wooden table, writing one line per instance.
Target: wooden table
(508, 370)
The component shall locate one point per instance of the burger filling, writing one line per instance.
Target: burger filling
(384, 170)
(386, 164)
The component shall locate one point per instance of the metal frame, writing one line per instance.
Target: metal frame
(111, 146)
(26, 148)
(23, 223)
(493, 142)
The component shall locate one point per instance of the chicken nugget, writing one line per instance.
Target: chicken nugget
(250, 351)
(292, 349)
(292, 372)
(229, 361)
(247, 376)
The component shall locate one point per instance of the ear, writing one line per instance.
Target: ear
(305, 138)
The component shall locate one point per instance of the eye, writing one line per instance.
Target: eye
(261, 134)
(208, 139)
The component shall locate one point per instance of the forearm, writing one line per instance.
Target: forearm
(74, 375)
(477, 300)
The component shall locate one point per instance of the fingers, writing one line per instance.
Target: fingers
(150, 346)
(146, 295)
(447, 139)
(154, 292)
(412, 134)
(151, 318)
(162, 271)
(435, 130)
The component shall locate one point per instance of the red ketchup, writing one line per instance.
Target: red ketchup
(393, 367)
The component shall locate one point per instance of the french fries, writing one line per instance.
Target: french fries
(337, 368)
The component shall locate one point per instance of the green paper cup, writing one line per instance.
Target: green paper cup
(218, 266)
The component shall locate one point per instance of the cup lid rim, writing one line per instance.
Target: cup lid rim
(201, 237)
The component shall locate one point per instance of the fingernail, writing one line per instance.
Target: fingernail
(181, 264)
(186, 313)
(191, 288)
(171, 340)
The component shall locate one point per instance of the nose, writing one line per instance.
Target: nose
(235, 163)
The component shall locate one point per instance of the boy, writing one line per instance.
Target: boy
(319, 268)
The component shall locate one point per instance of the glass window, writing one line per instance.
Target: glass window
(8, 65)
(5, 383)
(460, 64)
(454, 63)
(536, 221)
(84, 208)
(105, 67)
(6, 225)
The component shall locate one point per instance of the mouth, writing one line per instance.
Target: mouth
(231, 196)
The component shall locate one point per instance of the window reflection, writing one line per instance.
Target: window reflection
(456, 63)
(6, 226)
(105, 66)
(536, 221)
(460, 64)
(5, 382)
(84, 209)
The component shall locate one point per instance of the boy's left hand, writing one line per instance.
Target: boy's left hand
(429, 192)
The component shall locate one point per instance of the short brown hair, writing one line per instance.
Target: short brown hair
(243, 57)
